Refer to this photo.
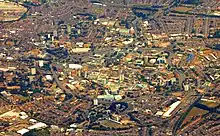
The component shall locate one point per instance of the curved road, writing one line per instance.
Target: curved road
(181, 74)
(72, 92)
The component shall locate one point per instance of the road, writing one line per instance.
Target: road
(59, 84)
(206, 28)
(68, 91)
(135, 26)
(169, 59)
(182, 76)
(183, 116)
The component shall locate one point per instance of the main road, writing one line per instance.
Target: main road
(72, 92)
(179, 122)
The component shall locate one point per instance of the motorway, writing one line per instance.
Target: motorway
(188, 108)
(182, 76)
(135, 26)
(68, 91)
(59, 84)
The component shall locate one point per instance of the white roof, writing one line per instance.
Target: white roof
(80, 44)
(38, 125)
(11, 68)
(159, 113)
(108, 38)
(23, 117)
(4, 69)
(49, 77)
(171, 108)
(73, 125)
(41, 63)
(75, 66)
(23, 113)
(118, 97)
(128, 42)
(23, 131)
(9, 58)
(32, 120)
(153, 61)
(80, 50)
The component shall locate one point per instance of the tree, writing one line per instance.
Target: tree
(34, 132)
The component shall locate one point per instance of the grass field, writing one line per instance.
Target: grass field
(210, 104)
(183, 9)
(10, 11)
(194, 112)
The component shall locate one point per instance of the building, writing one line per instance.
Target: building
(172, 107)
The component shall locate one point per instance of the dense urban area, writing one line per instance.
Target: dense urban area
(109, 67)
